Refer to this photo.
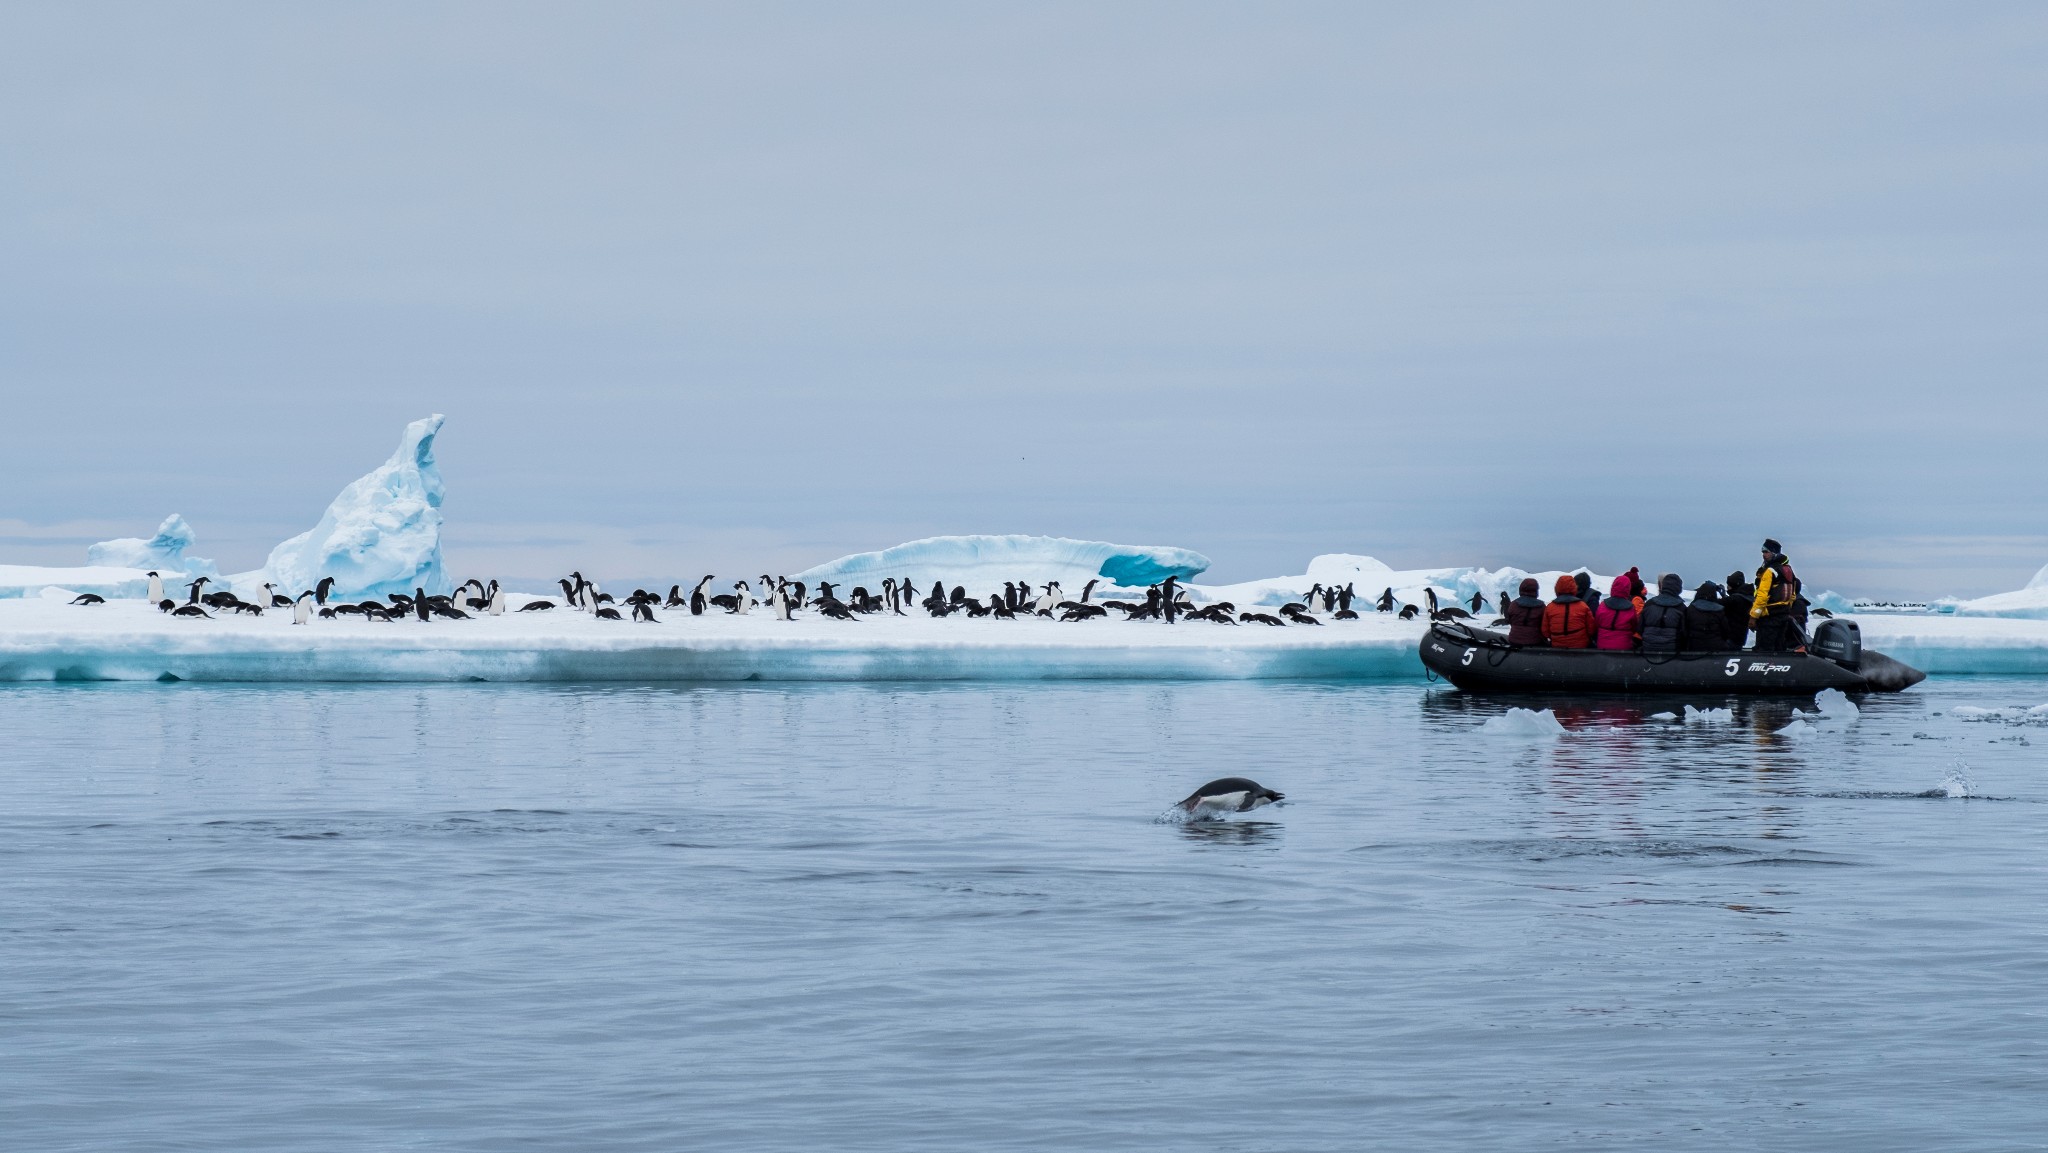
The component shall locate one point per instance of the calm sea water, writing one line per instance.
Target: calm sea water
(889, 918)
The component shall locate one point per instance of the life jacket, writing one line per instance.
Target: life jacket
(1783, 590)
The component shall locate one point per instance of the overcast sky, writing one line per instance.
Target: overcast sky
(744, 287)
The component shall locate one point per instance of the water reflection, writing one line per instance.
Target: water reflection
(1226, 833)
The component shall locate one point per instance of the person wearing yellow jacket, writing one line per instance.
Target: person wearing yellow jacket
(1774, 611)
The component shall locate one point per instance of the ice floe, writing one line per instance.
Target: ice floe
(1524, 724)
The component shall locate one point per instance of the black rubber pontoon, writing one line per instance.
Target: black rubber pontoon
(1480, 660)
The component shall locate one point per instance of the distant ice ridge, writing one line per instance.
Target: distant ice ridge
(982, 563)
(2030, 602)
(164, 552)
(381, 535)
(1454, 585)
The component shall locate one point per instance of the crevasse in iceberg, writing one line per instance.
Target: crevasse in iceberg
(381, 535)
(982, 563)
(164, 552)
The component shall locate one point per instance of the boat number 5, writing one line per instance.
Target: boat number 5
(1734, 665)
(1468, 656)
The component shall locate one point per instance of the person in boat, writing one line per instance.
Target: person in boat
(1614, 622)
(1661, 620)
(1525, 615)
(1706, 621)
(1568, 620)
(1772, 611)
(1736, 597)
(1584, 583)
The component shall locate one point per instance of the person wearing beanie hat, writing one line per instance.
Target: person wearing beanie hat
(1568, 621)
(1706, 621)
(1773, 611)
(1525, 615)
(1662, 622)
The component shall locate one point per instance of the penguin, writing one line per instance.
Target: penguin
(274, 599)
(568, 593)
(1169, 595)
(166, 605)
(1076, 611)
(189, 609)
(419, 603)
(1386, 601)
(742, 598)
(321, 590)
(675, 598)
(780, 599)
(699, 598)
(497, 599)
(88, 599)
(1229, 795)
(302, 609)
(1009, 594)
(1299, 616)
(1001, 608)
(536, 606)
(1476, 601)
(643, 611)
(605, 613)
(889, 593)
(1409, 612)
(1260, 618)
(1043, 606)
(1089, 588)
(1345, 596)
(1429, 598)
(193, 597)
(156, 586)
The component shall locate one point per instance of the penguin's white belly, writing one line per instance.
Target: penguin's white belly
(1221, 803)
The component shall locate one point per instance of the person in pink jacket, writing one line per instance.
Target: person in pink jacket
(1614, 622)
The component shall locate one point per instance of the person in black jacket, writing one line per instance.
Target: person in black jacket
(1662, 620)
(1706, 621)
(1736, 597)
(1525, 616)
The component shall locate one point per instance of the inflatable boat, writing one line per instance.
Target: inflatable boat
(1478, 659)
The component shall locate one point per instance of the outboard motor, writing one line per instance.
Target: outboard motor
(1839, 641)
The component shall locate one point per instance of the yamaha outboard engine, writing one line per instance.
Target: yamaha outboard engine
(1839, 641)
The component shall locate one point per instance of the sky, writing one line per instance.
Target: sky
(747, 287)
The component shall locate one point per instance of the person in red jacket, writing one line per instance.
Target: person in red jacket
(1568, 621)
(1525, 615)
(1615, 620)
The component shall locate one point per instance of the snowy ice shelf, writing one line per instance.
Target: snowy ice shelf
(46, 640)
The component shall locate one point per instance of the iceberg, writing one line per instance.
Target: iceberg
(2029, 603)
(381, 535)
(984, 563)
(164, 552)
(1454, 586)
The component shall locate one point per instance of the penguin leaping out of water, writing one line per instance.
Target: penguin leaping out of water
(1228, 795)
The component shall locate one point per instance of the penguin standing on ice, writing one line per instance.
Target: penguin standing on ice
(780, 599)
(497, 599)
(1228, 795)
(419, 603)
(302, 609)
(321, 590)
(156, 587)
(699, 598)
(742, 598)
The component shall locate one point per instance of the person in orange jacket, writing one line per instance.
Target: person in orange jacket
(1568, 621)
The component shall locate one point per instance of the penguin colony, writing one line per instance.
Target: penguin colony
(783, 599)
